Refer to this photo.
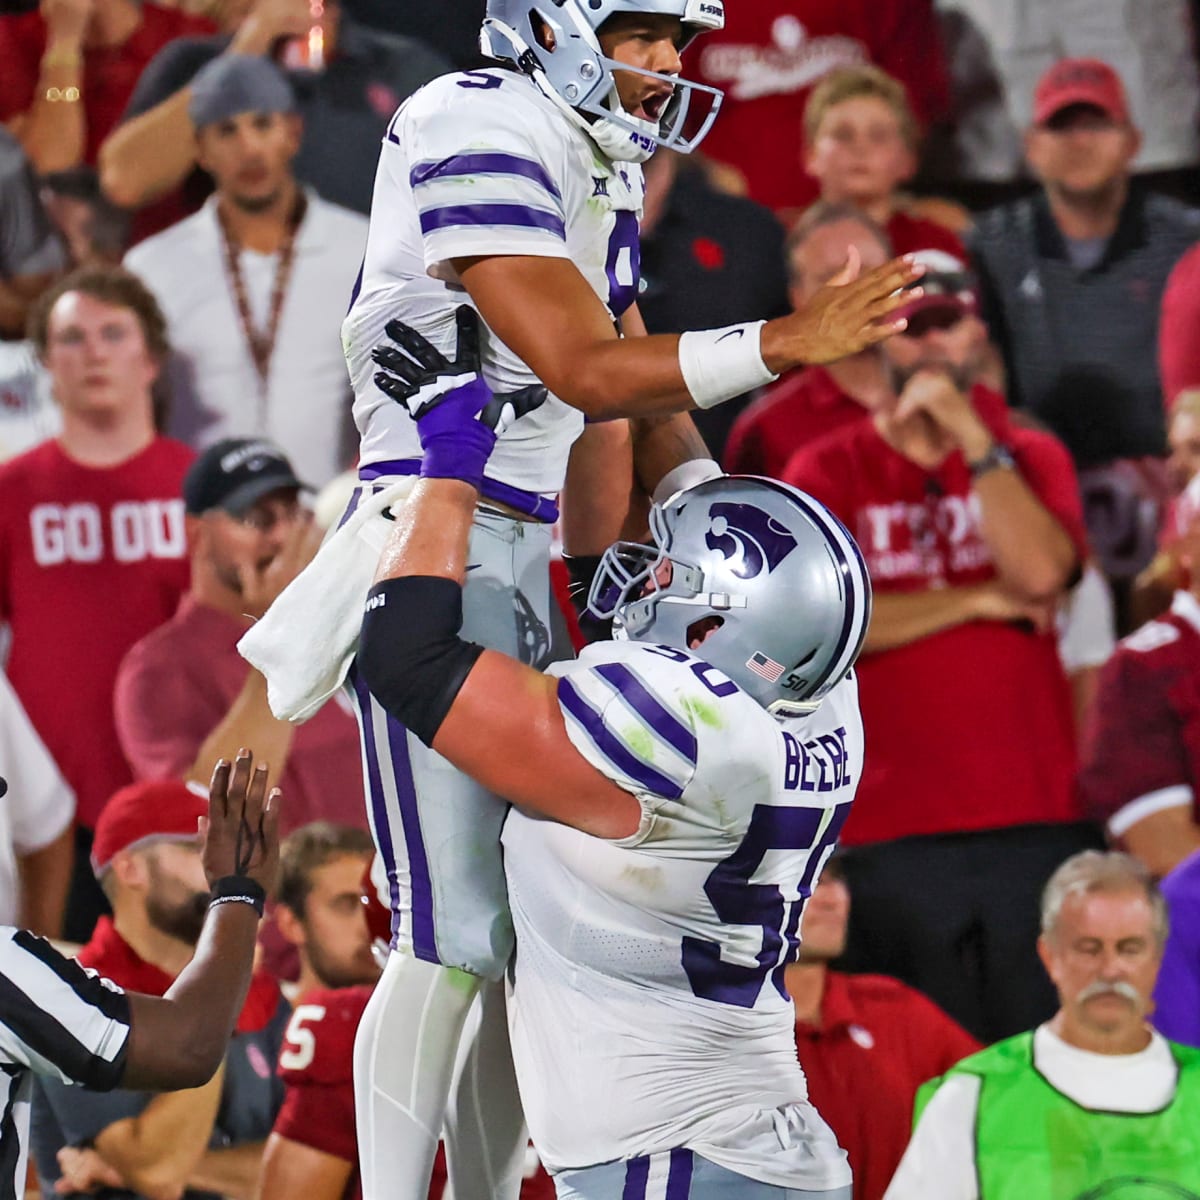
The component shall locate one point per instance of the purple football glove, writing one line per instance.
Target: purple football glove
(458, 418)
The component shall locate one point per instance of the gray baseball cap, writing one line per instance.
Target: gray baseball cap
(238, 83)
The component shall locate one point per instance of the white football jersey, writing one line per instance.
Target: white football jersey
(647, 1003)
(481, 163)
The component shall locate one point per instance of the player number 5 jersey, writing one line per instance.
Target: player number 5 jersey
(480, 163)
(653, 965)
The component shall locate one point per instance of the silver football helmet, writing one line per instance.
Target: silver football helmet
(578, 76)
(772, 568)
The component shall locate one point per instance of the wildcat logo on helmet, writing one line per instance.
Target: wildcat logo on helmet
(745, 532)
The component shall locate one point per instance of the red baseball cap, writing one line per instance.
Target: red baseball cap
(162, 810)
(948, 286)
(1080, 81)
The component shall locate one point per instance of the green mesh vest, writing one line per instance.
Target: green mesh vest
(1033, 1143)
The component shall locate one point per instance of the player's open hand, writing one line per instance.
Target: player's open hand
(847, 315)
(241, 832)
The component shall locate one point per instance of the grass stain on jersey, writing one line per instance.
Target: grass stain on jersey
(703, 711)
(639, 741)
(648, 879)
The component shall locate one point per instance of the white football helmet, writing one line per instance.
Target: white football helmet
(578, 76)
(775, 570)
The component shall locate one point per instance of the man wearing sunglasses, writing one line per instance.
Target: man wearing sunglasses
(971, 528)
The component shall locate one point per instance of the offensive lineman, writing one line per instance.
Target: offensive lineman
(518, 189)
(678, 792)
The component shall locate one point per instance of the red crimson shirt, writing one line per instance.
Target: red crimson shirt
(91, 560)
(800, 409)
(969, 728)
(909, 234)
(771, 54)
(1178, 346)
(878, 1040)
(176, 685)
(1141, 752)
(109, 72)
(316, 1065)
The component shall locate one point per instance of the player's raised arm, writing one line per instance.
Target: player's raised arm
(490, 715)
(179, 1040)
(548, 314)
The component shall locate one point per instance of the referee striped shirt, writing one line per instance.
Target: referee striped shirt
(56, 1019)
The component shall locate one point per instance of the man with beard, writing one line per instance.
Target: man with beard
(255, 285)
(184, 696)
(146, 855)
(971, 529)
(1091, 1103)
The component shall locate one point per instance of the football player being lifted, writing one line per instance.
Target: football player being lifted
(517, 190)
(677, 792)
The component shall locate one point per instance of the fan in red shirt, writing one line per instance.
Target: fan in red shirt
(770, 55)
(70, 68)
(808, 403)
(313, 1149)
(971, 529)
(866, 1042)
(1141, 754)
(92, 546)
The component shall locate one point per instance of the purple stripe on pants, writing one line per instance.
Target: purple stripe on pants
(637, 1172)
(679, 1175)
(424, 937)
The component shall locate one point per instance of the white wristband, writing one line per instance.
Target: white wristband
(718, 364)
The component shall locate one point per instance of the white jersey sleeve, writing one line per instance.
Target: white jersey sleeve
(484, 177)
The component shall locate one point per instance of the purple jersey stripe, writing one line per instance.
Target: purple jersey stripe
(679, 1175)
(521, 215)
(637, 1174)
(652, 710)
(494, 163)
(423, 931)
(612, 747)
(375, 796)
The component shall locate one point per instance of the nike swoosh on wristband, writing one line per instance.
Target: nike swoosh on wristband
(731, 333)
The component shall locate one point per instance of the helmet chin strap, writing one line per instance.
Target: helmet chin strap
(619, 142)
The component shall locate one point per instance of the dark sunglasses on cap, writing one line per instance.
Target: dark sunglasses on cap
(929, 319)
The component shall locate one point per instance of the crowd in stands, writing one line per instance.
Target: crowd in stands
(183, 195)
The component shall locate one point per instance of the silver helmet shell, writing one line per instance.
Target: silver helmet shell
(579, 76)
(774, 568)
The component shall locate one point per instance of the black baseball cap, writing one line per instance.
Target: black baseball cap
(235, 473)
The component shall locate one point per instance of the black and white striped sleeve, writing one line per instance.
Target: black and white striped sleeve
(56, 1017)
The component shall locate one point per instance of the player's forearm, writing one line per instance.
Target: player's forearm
(1031, 550)
(231, 1172)
(898, 618)
(660, 444)
(45, 877)
(431, 532)
(249, 722)
(599, 479)
(179, 1040)
(147, 156)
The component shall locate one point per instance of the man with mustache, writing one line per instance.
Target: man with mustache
(147, 857)
(1092, 1101)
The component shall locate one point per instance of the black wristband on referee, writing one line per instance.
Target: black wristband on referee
(239, 889)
